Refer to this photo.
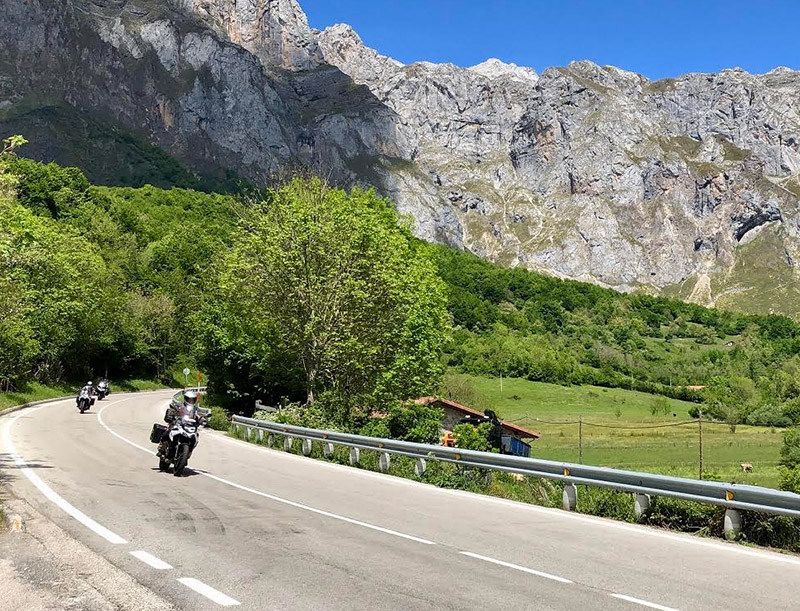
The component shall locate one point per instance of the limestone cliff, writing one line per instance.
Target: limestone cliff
(686, 186)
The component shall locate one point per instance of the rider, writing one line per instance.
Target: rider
(172, 413)
(88, 388)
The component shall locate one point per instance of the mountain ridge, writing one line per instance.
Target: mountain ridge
(586, 172)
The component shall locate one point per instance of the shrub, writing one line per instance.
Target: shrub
(789, 478)
(471, 437)
(768, 415)
(791, 410)
(218, 420)
(376, 427)
(408, 422)
(413, 422)
(790, 451)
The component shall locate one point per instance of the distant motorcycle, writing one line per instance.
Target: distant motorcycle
(182, 434)
(85, 400)
(103, 390)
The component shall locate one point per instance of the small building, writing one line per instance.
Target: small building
(513, 435)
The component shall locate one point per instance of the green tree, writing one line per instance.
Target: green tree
(334, 283)
(790, 450)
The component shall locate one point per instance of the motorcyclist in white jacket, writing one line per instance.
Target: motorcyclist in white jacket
(88, 389)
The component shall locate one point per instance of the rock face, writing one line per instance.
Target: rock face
(587, 172)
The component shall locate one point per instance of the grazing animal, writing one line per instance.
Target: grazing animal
(747, 467)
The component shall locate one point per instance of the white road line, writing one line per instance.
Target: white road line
(277, 499)
(517, 567)
(209, 592)
(634, 529)
(49, 493)
(643, 603)
(318, 511)
(151, 560)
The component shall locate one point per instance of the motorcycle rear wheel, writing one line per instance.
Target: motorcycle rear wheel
(181, 458)
(163, 465)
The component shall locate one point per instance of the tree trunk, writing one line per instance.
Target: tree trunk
(311, 378)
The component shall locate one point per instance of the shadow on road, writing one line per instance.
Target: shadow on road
(8, 467)
(186, 473)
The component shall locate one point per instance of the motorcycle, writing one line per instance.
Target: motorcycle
(85, 400)
(183, 435)
(103, 390)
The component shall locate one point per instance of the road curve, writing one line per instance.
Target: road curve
(259, 529)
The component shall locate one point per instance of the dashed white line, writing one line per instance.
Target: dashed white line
(277, 499)
(51, 494)
(643, 603)
(516, 567)
(209, 592)
(151, 560)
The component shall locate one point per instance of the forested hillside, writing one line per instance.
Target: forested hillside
(129, 281)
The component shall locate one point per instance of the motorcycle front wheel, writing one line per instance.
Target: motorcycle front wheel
(181, 458)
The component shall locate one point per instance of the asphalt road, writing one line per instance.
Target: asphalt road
(260, 529)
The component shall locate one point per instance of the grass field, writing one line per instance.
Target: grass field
(638, 440)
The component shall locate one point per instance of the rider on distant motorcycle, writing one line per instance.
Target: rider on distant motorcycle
(88, 389)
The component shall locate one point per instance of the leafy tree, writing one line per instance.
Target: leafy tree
(790, 450)
(333, 283)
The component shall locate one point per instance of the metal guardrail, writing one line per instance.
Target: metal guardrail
(731, 496)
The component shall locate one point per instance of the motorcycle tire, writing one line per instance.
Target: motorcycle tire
(163, 465)
(181, 458)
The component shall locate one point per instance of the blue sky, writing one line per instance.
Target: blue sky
(657, 39)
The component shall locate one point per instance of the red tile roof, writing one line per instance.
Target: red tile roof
(522, 432)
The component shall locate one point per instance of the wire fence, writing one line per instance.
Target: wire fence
(697, 448)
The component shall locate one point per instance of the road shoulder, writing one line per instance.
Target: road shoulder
(45, 569)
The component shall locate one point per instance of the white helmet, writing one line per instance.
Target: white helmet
(89, 383)
(190, 397)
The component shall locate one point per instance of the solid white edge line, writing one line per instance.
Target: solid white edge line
(209, 592)
(517, 567)
(643, 603)
(48, 492)
(277, 499)
(151, 560)
(635, 529)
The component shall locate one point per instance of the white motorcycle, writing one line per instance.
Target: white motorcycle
(103, 390)
(183, 435)
(85, 400)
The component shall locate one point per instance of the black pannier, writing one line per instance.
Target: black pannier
(158, 432)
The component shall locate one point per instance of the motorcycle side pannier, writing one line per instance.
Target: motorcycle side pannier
(158, 432)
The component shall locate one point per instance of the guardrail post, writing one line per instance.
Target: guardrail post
(355, 456)
(732, 524)
(419, 467)
(569, 498)
(383, 462)
(270, 440)
(287, 443)
(260, 435)
(247, 433)
(306, 447)
(327, 449)
(641, 505)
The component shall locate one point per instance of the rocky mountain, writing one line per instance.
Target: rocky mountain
(685, 186)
